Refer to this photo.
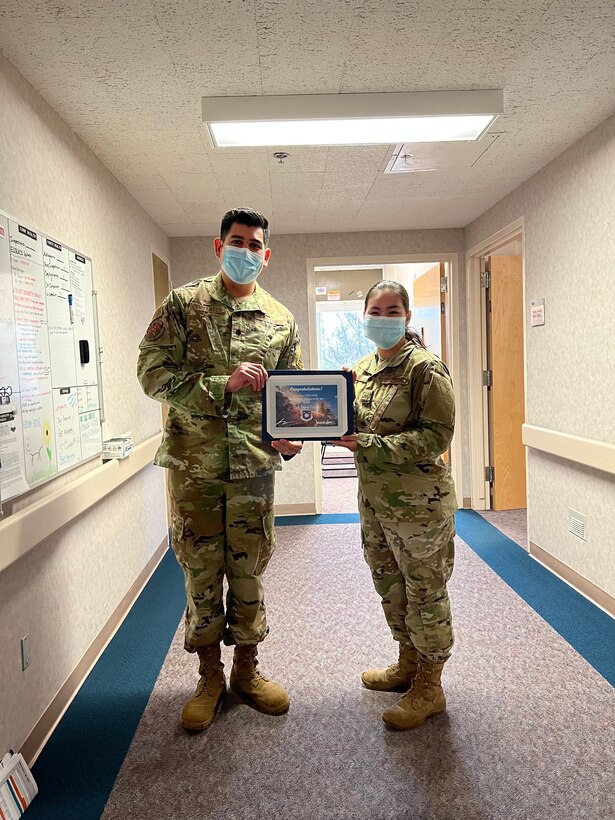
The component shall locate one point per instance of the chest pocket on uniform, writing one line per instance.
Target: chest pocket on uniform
(206, 325)
(262, 328)
(390, 389)
(268, 338)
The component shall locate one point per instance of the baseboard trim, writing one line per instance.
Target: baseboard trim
(305, 508)
(52, 715)
(570, 576)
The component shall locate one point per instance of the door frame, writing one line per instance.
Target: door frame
(478, 411)
(452, 333)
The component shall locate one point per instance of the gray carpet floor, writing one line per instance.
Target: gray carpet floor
(340, 496)
(512, 523)
(529, 732)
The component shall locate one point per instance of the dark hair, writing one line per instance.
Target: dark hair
(244, 216)
(399, 290)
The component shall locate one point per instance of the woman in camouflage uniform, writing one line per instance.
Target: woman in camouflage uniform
(405, 413)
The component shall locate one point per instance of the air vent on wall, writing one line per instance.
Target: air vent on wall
(577, 524)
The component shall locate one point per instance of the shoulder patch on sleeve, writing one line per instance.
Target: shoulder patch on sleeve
(155, 329)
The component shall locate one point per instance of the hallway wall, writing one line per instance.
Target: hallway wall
(64, 590)
(285, 278)
(569, 214)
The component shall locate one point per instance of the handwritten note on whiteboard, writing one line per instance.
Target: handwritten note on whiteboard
(50, 416)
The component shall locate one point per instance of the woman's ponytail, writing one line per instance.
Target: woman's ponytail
(413, 336)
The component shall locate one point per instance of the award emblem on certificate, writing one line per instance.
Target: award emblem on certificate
(307, 405)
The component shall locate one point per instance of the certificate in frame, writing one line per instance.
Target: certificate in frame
(307, 405)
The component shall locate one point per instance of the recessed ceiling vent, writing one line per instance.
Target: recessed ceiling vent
(417, 157)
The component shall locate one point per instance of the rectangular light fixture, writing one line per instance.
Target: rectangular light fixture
(350, 119)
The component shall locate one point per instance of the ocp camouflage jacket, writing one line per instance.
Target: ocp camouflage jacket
(405, 418)
(194, 343)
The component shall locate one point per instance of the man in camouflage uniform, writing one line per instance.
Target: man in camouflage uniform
(405, 414)
(206, 354)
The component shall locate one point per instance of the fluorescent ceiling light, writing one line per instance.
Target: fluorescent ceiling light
(350, 119)
(349, 132)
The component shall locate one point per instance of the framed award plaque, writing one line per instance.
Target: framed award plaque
(307, 405)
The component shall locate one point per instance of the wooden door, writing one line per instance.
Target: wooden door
(507, 390)
(426, 309)
(443, 312)
(430, 311)
(162, 284)
(443, 318)
(161, 290)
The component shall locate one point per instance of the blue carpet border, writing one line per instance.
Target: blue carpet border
(109, 705)
(76, 770)
(325, 518)
(586, 627)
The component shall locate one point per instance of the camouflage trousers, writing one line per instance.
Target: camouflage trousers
(410, 568)
(222, 529)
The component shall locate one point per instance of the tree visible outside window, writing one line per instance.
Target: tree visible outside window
(341, 340)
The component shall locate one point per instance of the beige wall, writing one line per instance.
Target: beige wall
(64, 590)
(569, 212)
(285, 278)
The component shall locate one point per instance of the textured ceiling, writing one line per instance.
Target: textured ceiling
(128, 76)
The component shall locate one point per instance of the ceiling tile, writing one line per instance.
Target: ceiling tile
(217, 49)
(296, 183)
(347, 157)
(128, 78)
(391, 44)
(302, 46)
(50, 11)
(312, 159)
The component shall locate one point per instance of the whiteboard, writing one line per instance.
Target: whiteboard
(50, 391)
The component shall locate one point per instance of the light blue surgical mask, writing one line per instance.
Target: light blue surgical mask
(384, 331)
(241, 265)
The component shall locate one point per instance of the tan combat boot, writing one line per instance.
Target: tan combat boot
(264, 694)
(398, 676)
(424, 699)
(200, 711)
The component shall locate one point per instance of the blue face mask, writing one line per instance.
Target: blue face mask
(384, 331)
(241, 265)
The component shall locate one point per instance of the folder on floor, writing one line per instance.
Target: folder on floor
(17, 786)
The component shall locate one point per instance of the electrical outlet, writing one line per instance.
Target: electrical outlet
(26, 658)
(577, 524)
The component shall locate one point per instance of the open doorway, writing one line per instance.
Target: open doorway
(497, 402)
(337, 294)
(340, 344)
